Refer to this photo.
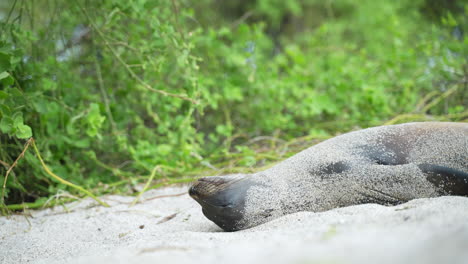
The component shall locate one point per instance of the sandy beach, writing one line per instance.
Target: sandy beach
(169, 227)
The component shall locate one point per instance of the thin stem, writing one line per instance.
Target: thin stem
(9, 15)
(438, 99)
(105, 98)
(153, 173)
(56, 177)
(26, 146)
(176, 18)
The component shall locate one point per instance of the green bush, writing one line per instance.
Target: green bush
(111, 89)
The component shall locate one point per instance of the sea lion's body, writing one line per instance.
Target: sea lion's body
(385, 165)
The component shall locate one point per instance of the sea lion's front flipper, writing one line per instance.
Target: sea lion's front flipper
(448, 180)
(395, 184)
(370, 195)
(388, 184)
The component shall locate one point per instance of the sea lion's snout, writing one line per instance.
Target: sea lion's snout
(222, 199)
(203, 188)
(195, 191)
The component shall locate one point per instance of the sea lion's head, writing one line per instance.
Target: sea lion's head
(223, 199)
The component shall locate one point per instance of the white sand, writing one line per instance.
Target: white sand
(422, 231)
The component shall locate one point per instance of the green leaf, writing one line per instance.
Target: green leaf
(224, 130)
(95, 121)
(6, 79)
(4, 62)
(6, 124)
(49, 85)
(5, 110)
(82, 143)
(248, 161)
(18, 119)
(40, 105)
(164, 149)
(4, 75)
(23, 131)
(16, 58)
(3, 95)
(16, 93)
(79, 143)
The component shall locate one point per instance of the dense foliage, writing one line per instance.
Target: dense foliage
(111, 89)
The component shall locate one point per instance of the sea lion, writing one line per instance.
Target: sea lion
(386, 165)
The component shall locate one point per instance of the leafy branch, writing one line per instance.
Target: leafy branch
(129, 70)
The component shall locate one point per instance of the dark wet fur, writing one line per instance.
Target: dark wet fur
(450, 181)
(226, 205)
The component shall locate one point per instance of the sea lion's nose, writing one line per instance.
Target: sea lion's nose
(198, 188)
(193, 192)
(212, 186)
(222, 199)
